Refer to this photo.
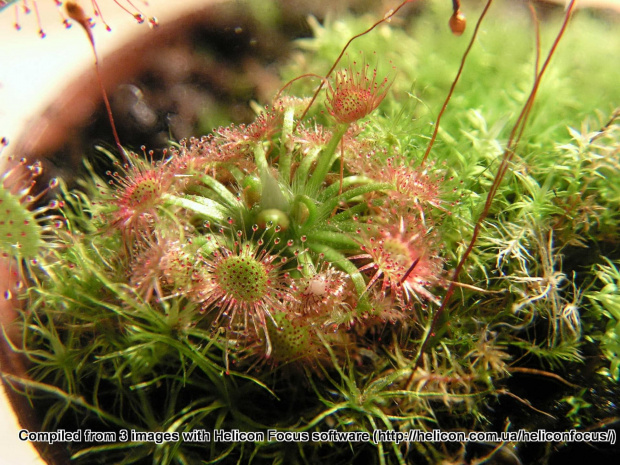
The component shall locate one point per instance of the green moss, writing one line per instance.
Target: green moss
(606, 308)
(147, 358)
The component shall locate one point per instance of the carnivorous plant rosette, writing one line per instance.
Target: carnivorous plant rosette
(260, 229)
(345, 271)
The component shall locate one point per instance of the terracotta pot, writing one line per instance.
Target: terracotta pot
(50, 111)
(61, 110)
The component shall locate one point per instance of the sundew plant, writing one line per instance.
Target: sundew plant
(384, 248)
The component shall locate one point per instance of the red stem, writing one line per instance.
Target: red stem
(537, 26)
(454, 82)
(108, 107)
(513, 142)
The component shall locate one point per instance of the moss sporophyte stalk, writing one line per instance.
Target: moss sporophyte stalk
(344, 263)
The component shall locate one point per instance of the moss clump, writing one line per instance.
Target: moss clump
(327, 245)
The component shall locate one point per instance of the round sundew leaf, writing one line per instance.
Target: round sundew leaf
(243, 278)
(20, 233)
(290, 341)
(144, 192)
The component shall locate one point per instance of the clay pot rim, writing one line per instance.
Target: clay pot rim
(45, 133)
